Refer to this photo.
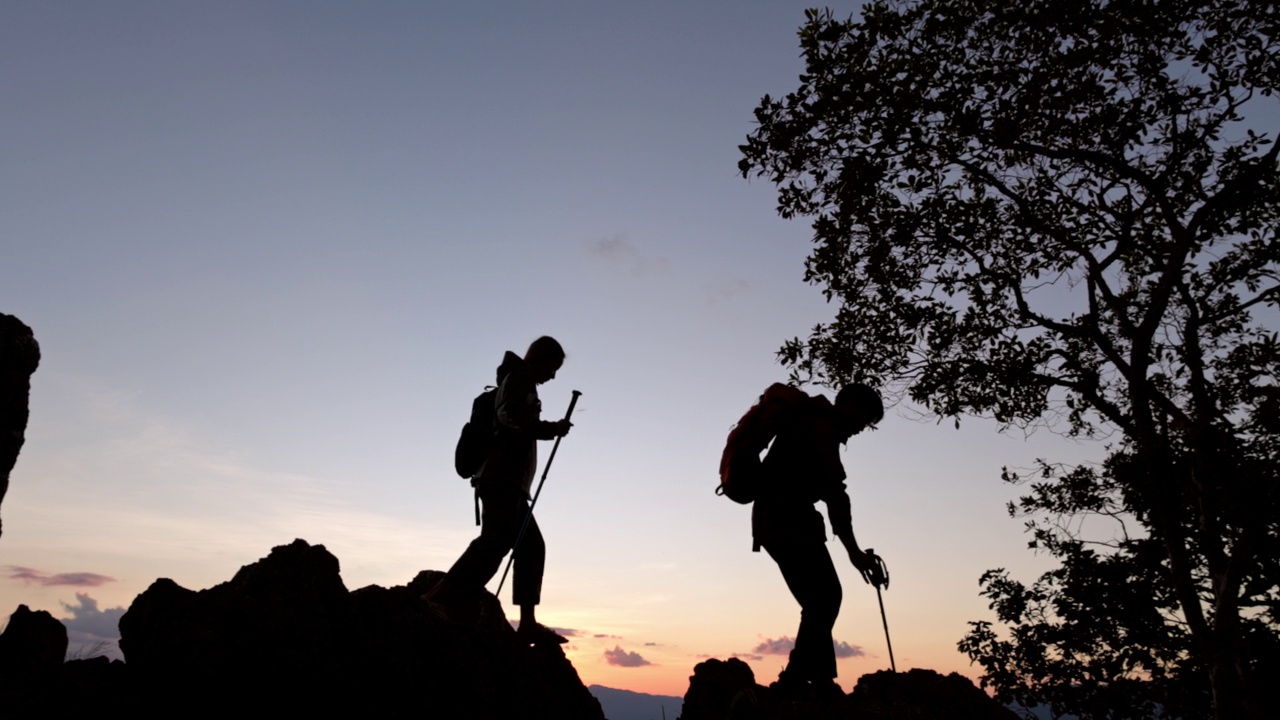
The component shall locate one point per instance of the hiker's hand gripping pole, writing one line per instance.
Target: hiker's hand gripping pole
(529, 515)
(879, 577)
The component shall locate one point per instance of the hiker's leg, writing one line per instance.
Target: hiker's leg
(531, 559)
(502, 511)
(811, 576)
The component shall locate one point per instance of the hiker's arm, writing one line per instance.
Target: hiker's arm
(518, 410)
(838, 511)
(515, 408)
(551, 430)
(841, 517)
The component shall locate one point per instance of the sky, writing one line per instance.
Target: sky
(272, 251)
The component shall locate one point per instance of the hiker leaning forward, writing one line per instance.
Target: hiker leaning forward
(503, 484)
(802, 467)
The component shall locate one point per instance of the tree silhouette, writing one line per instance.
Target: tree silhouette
(1062, 213)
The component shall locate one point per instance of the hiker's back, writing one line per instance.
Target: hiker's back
(740, 468)
(803, 462)
(517, 412)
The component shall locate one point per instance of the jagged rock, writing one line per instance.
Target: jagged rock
(19, 357)
(722, 689)
(923, 694)
(32, 642)
(285, 633)
(34, 680)
(289, 610)
(726, 690)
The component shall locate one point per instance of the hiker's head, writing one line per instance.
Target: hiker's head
(545, 356)
(858, 406)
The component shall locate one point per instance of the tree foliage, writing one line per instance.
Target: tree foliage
(1064, 213)
(1102, 635)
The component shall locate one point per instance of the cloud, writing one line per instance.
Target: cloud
(781, 646)
(845, 650)
(727, 289)
(620, 255)
(74, 579)
(785, 645)
(621, 658)
(748, 656)
(87, 619)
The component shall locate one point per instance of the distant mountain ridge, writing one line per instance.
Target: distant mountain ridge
(627, 705)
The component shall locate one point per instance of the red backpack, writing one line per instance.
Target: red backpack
(740, 467)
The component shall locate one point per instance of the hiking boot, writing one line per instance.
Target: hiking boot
(437, 600)
(827, 690)
(790, 687)
(539, 634)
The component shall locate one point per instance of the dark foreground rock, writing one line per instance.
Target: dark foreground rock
(32, 643)
(727, 690)
(19, 357)
(286, 636)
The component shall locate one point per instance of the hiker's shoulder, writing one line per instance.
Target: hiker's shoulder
(805, 409)
(514, 370)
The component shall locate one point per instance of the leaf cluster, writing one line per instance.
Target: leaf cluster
(1020, 208)
(1103, 634)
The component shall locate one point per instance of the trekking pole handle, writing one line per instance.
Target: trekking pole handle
(573, 401)
(534, 501)
(880, 576)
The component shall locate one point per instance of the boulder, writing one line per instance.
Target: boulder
(726, 690)
(19, 357)
(923, 694)
(286, 634)
(32, 642)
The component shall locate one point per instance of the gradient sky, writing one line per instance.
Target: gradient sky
(271, 251)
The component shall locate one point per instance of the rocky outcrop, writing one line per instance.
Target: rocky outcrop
(33, 642)
(19, 357)
(285, 636)
(33, 677)
(286, 633)
(922, 694)
(726, 690)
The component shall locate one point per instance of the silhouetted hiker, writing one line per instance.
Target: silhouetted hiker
(503, 483)
(802, 467)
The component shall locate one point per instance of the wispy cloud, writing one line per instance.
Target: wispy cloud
(171, 491)
(784, 645)
(845, 650)
(621, 658)
(727, 289)
(781, 646)
(617, 252)
(39, 577)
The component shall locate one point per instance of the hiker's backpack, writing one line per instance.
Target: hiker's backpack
(476, 441)
(740, 467)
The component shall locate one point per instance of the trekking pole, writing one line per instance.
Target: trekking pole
(881, 577)
(529, 515)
